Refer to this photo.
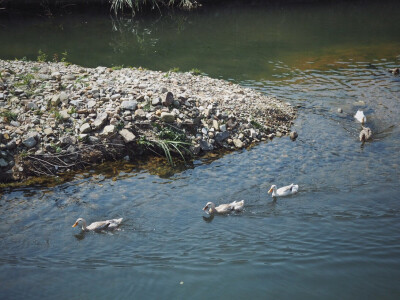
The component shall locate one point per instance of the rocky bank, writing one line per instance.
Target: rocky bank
(56, 117)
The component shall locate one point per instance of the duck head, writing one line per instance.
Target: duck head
(273, 188)
(79, 220)
(209, 205)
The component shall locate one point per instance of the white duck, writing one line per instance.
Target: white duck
(224, 208)
(100, 225)
(283, 191)
(360, 117)
(365, 134)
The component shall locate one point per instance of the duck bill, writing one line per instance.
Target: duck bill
(270, 190)
(205, 208)
(76, 223)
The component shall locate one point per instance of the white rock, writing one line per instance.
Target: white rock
(91, 104)
(156, 101)
(253, 133)
(64, 115)
(238, 143)
(215, 124)
(100, 121)
(129, 104)
(115, 96)
(85, 128)
(127, 135)
(167, 117)
(63, 97)
(109, 129)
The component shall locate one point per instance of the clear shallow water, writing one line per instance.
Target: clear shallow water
(338, 238)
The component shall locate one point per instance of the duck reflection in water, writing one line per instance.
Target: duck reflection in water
(209, 218)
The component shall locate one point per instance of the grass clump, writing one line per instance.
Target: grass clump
(170, 141)
(174, 70)
(42, 57)
(25, 80)
(9, 116)
(256, 125)
(195, 71)
(115, 68)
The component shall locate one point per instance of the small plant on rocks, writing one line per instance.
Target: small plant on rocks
(9, 116)
(195, 71)
(42, 57)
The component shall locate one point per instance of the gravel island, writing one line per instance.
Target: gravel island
(56, 117)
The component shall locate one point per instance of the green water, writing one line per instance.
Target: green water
(338, 238)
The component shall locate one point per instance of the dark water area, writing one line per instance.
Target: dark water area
(338, 238)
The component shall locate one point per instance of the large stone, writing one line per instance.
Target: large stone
(67, 140)
(129, 104)
(100, 121)
(48, 131)
(127, 135)
(168, 99)
(11, 145)
(215, 124)
(31, 106)
(167, 117)
(29, 142)
(64, 115)
(56, 75)
(85, 128)
(109, 129)
(55, 100)
(115, 96)
(156, 101)
(221, 136)
(205, 146)
(139, 113)
(91, 104)
(238, 143)
(3, 163)
(15, 123)
(63, 97)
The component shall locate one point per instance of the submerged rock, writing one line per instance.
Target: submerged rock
(293, 135)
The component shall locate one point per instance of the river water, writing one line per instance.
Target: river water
(338, 238)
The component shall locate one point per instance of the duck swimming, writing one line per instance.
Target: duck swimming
(100, 225)
(283, 191)
(360, 117)
(365, 134)
(224, 208)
